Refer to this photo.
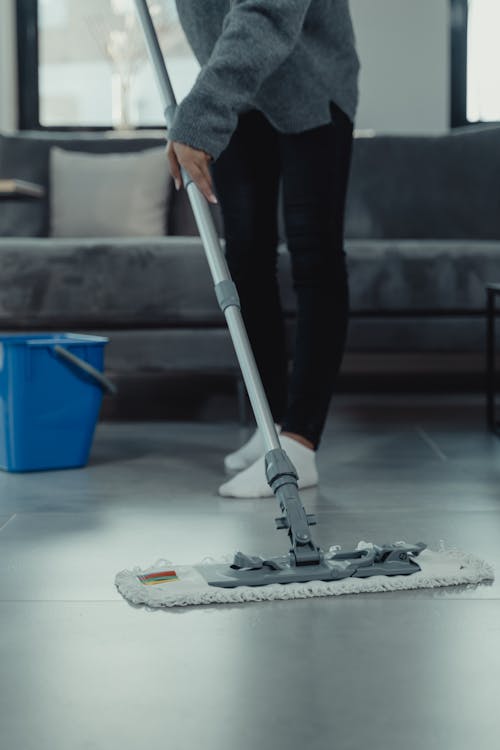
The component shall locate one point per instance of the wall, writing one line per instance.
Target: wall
(404, 46)
(8, 83)
(404, 51)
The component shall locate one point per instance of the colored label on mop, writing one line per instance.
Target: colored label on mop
(162, 576)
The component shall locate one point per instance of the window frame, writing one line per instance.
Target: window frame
(459, 11)
(27, 64)
(28, 80)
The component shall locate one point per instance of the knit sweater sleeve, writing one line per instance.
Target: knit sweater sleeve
(257, 36)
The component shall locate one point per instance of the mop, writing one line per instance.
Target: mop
(305, 570)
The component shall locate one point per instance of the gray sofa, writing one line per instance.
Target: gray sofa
(422, 238)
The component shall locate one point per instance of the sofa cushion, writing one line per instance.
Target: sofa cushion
(421, 276)
(108, 195)
(118, 281)
(165, 282)
(441, 187)
(25, 155)
(21, 216)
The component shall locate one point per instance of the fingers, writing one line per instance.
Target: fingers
(203, 179)
(196, 163)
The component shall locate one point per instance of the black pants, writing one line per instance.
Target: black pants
(314, 168)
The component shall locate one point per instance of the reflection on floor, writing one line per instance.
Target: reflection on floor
(83, 669)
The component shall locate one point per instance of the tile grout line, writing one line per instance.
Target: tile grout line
(430, 442)
(8, 521)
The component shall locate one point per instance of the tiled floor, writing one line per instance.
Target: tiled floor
(82, 669)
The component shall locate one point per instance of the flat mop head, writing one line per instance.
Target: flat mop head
(168, 585)
(306, 571)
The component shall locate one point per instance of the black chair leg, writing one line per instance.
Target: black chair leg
(491, 419)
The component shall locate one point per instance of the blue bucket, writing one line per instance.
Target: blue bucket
(51, 387)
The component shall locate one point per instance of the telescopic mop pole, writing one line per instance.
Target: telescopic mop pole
(281, 473)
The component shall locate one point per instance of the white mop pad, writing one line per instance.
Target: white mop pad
(182, 585)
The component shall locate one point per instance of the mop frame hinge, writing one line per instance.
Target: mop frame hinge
(283, 480)
(282, 521)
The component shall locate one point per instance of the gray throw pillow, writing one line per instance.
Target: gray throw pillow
(108, 195)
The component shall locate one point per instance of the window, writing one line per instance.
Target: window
(483, 61)
(475, 61)
(85, 64)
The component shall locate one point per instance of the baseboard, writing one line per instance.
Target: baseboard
(212, 396)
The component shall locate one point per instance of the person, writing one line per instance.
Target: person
(274, 104)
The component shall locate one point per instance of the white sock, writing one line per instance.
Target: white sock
(248, 453)
(252, 481)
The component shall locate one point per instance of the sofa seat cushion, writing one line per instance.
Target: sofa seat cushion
(165, 281)
(145, 281)
(426, 276)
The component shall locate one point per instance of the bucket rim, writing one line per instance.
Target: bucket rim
(50, 339)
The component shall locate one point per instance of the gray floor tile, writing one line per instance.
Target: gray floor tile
(420, 669)
(313, 674)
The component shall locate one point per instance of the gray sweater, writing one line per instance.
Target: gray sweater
(286, 58)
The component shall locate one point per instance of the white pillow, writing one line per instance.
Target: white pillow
(108, 195)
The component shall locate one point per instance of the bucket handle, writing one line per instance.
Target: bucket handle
(86, 367)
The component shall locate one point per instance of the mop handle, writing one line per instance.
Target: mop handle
(224, 286)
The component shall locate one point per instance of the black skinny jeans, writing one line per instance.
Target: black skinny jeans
(314, 168)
